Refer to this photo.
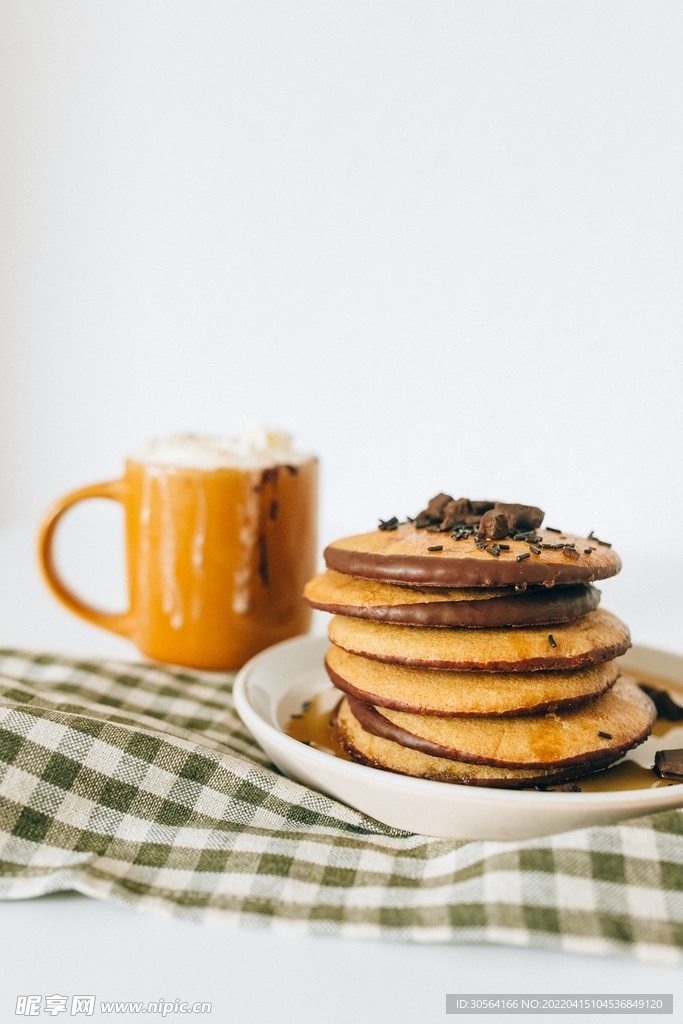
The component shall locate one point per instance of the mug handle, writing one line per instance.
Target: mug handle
(116, 622)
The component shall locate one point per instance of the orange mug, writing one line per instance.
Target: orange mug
(218, 551)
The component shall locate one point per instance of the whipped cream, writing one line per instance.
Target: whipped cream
(256, 448)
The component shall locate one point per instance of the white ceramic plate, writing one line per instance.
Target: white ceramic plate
(274, 684)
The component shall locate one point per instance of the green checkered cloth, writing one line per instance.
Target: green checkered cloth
(139, 783)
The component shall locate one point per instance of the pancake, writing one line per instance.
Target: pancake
(401, 556)
(335, 592)
(597, 637)
(428, 691)
(604, 728)
(377, 752)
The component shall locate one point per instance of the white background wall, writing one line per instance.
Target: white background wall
(441, 243)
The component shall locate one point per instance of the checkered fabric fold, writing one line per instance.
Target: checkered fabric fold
(139, 783)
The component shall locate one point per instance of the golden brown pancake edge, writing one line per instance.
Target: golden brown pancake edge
(401, 556)
(465, 693)
(385, 755)
(540, 606)
(596, 637)
(592, 723)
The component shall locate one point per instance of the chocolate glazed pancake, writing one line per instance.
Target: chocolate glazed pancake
(402, 555)
(597, 637)
(604, 729)
(378, 752)
(425, 691)
(335, 592)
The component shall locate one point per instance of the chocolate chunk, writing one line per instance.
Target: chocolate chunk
(480, 507)
(520, 517)
(448, 511)
(669, 764)
(461, 507)
(436, 506)
(434, 511)
(666, 707)
(570, 553)
(493, 525)
(455, 512)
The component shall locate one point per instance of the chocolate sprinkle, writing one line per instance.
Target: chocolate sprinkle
(605, 543)
(388, 524)
(551, 640)
(605, 735)
(436, 547)
(536, 551)
(551, 529)
(525, 554)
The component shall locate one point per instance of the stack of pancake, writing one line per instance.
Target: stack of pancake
(470, 648)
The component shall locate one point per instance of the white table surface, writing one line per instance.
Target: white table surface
(70, 944)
